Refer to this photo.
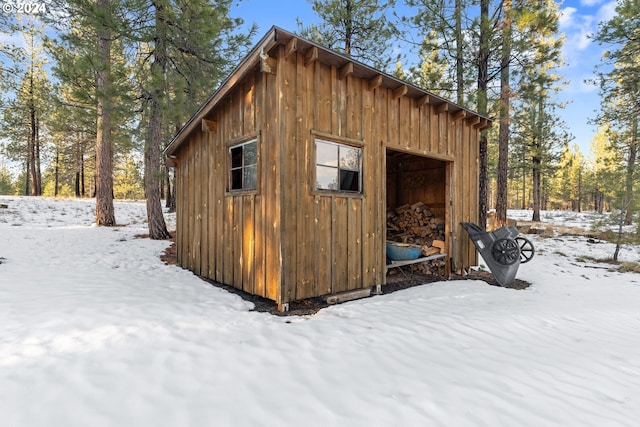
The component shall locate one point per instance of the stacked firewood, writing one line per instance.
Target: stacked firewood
(416, 224)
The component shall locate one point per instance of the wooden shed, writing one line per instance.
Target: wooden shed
(286, 174)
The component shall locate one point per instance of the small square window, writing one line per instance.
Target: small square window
(338, 167)
(244, 166)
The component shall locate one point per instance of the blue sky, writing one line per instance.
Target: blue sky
(580, 18)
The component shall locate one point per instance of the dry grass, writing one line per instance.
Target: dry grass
(629, 267)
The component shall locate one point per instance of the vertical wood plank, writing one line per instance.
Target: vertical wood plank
(181, 219)
(335, 102)
(261, 222)
(229, 241)
(442, 132)
(354, 108)
(447, 219)
(393, 134)
(197, 190)
(204, 212)
(306, 285)
(324, 105)
(434, 126)
(354, 243)
(325, 233)
(290, 174)
(340, 244)
(405, 107)
(219, 184)
(259, 247)
(212, 188)
(248, 239)
(249, 119)
(273, 261)
(371, 173)
(191, 189)
(237, 236)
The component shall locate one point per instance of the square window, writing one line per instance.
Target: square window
(338, 167)
(243, 173)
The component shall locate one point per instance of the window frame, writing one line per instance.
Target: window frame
(243, 167)
(338, 168)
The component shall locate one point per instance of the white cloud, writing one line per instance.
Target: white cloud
(567, 17)
(577, 28)
(590, 3)
(607, 11)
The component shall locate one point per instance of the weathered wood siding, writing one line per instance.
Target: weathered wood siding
(233, 237)
(286, 240)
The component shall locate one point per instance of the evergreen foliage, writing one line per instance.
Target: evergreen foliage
(361, 29)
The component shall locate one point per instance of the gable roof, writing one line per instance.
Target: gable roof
(276, 37)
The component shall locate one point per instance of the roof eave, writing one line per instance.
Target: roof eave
(247, 63)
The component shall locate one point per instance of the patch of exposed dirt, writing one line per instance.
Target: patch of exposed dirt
(396, 281)
(169, 255)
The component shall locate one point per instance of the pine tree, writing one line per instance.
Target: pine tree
(185, 50)
(432, 73)
(360, 29)
(619, 78)
(6, 182)
(89, 30)
(570, 178)
(604, 169)
(26, 111)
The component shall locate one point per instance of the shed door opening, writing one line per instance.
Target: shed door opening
(416, 207)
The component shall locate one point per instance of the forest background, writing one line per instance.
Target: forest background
(91, 91)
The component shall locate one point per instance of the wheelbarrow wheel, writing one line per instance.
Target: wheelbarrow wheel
(526, 249)
(505, 251)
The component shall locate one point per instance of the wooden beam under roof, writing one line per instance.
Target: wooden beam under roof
(268, 64)
(459, 115)
(473, 121)
(442, 108)
(345, 70)
(310, 56)
(484, 124)
(375, 82)
(292, 47)
(422, 101)
(209, 125)
(400, 91)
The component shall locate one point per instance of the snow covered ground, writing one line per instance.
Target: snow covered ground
(96, 331)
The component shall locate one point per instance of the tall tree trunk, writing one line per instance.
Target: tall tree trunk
(459, 53)
(152, 171)
(536, 188)
(537, 159)
(172, 199)
(76, 152)
(32, 144)
(348, 35)
(631, 166)
(503, 138)
(37, 158)
(167, 171)
(83, 189)
(524, 183)
(483, 81)
(105, 214)
(77, 184)
(57, 172)
(580, 189)
(27, 176)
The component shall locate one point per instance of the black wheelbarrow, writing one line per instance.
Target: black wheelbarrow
(502, 249)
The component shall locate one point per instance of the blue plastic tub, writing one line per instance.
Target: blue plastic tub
(402, 252)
